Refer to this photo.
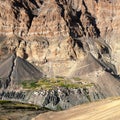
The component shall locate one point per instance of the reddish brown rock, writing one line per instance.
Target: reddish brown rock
(54, 30)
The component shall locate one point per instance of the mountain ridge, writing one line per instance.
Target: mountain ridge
(60, 37)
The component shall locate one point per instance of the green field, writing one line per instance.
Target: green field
(50, 83)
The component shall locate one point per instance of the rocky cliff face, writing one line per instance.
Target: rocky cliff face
(52, 30)
(73, 38)
(55, 99)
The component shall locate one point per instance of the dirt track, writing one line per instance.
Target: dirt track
(102, 110)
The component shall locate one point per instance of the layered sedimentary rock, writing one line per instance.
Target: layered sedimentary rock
(61, 29)
(73, 38)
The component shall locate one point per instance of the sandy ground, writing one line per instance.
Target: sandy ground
(108, 109)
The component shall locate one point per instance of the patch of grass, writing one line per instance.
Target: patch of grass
(17, 105)
(77, 78)
(5, 102)
(60, 77)
(50, 83)
(59, 108)
(29, 84)
(70, 85)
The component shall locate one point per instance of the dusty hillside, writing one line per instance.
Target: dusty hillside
(15, 70)
(103, 110)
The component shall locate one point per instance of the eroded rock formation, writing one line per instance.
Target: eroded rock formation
(60, 30)
(73, 38)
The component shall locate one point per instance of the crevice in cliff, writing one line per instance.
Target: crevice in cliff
(6, 81)
(73, 20)
(62, 8)
(12, 69)
(18, 5)
(91, 20)
(31, 16)
(35, 3)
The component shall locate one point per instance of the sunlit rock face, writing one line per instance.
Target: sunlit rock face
(60, 30)
(54, 38)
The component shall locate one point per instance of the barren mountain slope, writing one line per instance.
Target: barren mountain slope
(14, 70)
(68, 38)
(60, 30)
